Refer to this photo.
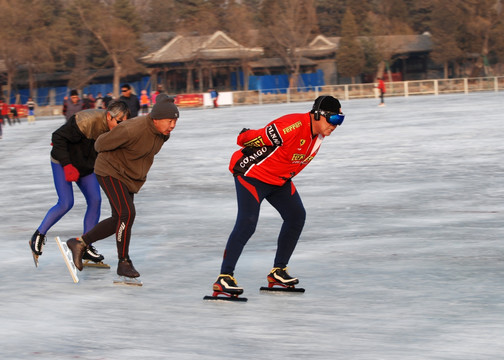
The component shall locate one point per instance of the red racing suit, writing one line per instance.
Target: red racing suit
(277, 152)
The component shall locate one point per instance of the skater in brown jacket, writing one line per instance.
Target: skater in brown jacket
(125, 155)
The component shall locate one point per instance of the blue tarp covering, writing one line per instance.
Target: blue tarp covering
(44, 94)
(265, 83)
(279, 83)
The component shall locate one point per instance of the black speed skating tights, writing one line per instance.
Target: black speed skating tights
(285, 199)
(121, 220)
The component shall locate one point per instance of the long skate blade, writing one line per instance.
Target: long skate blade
(282, 289)
(92, 264)
(35, 256)
(224, 298)
(123, 280)
(67, 256)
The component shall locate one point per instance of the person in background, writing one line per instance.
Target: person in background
(72, 160)
(88, 101)
(125, 156)
(107, 99)
(381, 88)
(30, 104)
(154, 94)
(144, 102)
(72, 106)
(14, 114)
(5, 111)
(215, 97)
(1, 127)
(99, 101)
(131, 99)
(263, 169)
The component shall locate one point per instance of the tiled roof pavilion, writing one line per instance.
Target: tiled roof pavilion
(209, 58)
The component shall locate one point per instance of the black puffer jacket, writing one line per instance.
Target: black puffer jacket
(73, 142)
(133, 104)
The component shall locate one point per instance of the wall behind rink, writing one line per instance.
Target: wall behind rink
(225, 99)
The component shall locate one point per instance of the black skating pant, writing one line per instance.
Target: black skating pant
(121, 220)
(285, 199)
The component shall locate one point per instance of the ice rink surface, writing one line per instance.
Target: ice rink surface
(402, 255)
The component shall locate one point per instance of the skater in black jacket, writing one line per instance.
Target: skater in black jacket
(72, 160)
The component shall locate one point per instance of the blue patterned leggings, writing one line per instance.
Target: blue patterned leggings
(89, 187)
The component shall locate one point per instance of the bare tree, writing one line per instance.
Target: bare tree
(482, 17)
(329, 16)
(8, 49)
(28, 46)
(161, 15)
(287, 26)
(444, 25)
(114, 34)
(240, 27)
(350, 56)
(197, 17)
(388, 18)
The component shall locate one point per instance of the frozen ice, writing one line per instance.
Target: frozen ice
(402, 255)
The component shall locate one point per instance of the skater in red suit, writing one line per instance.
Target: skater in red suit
(263, 169)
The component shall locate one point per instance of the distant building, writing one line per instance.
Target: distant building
(197, 63)
(408, 54)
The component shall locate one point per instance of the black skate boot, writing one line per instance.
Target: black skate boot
(226, 285)
(280, 280)
(92, 255)
(125, 268)
(36, 243)
(279, 276)
(78, 248)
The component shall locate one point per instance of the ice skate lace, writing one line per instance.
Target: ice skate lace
(92, 250)
(284, 270)
(229, 277)
(39, 242)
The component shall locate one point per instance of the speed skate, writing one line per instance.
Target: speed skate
(67, 256)
(280, 280)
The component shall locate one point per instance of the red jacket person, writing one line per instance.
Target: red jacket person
(263, 169)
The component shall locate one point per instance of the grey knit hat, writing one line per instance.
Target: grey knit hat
(164, 108)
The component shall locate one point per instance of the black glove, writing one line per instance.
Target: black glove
(244, 130)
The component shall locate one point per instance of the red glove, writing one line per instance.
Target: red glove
(71, 173)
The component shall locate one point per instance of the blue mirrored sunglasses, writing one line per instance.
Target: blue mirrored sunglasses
(332, 118)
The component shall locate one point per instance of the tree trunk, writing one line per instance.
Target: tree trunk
(245, 70)
(117, 76)
(293, 81)
(10, 77)
(189, 82)
(200, 79)
(31, 80)
(117, 80)
(381, 69)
